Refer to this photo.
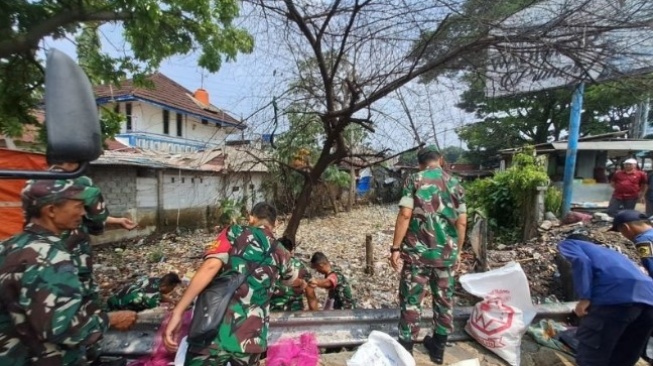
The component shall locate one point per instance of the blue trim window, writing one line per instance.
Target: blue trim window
(180, 122)
(166, 122)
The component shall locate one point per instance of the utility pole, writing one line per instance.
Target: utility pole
(572, 148)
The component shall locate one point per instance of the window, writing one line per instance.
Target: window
(251, 187)
(192, 180)
(128, 114)
(183, 180)
(116, 108)
(201, 180)
(205, 122)
(235, 189)
(166, 122)
(172, 180)
(180, 120)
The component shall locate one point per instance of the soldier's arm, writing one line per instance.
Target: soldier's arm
(325, 283)
(406, 205)
(52, 296)
(96, 211)
(458, 200)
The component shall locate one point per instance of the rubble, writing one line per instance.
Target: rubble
(342, 239)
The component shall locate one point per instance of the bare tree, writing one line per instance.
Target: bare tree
(360, 51)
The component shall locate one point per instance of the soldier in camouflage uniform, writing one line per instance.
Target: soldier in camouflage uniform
(429, 231)
(242, 335)
(287, 298)
(146, 293)
(45, 319)
(78, 241)
(334, 281)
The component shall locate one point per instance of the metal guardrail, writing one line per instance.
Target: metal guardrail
(338, 328)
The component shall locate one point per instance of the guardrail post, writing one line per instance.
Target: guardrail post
(369, 255)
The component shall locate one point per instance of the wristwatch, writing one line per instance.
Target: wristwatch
(395, 249)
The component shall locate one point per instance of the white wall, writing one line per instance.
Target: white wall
(248, 183)
(149, 118)
(187, 189)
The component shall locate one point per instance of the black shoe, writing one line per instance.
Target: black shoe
(408, 345)
(435, 345)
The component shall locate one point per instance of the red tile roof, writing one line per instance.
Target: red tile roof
(115, 145)
(169, 93)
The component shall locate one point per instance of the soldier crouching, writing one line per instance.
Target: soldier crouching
(45, 319)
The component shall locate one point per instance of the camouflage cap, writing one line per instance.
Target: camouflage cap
(38, 193)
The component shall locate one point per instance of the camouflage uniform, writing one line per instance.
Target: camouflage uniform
(287, 298)
(45, 319)
(78, 243)
(142, 295)
(242, 336)
(341, 293)
(429, 249)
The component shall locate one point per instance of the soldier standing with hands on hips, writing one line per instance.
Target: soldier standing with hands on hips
(429, 231)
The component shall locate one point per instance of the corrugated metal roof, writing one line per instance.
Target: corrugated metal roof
(614, 145)
(231, 159)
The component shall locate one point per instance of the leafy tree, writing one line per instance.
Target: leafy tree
(153, 31)
(453, 154)
(543, 116)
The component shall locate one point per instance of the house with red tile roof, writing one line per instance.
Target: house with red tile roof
(166, 117)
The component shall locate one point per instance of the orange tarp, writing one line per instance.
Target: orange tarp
(11, 211)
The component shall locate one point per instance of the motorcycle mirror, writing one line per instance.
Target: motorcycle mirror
(72, 122)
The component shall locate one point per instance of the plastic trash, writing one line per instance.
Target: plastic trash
(501, 319)
(381, 350)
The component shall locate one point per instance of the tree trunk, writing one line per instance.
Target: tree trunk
(301, 203)
(332, 198)
(352, 188)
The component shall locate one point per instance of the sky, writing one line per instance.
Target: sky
(245, 87)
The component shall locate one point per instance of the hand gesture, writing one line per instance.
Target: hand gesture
(127, 224)
(170, 334)
(395, 260)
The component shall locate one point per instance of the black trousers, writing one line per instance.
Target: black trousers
(614, 335)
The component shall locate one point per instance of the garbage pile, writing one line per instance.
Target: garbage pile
(342, 239)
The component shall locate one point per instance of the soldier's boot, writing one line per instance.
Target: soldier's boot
(436, 345)
(408, 345)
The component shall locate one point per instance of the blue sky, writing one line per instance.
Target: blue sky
(243, 87)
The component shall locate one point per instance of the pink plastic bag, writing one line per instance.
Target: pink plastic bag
(160, 355)
(293, 352)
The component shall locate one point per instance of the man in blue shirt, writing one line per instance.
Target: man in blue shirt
(636, 227)
(616, 304)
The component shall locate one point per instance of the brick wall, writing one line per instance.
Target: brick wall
(118, 185)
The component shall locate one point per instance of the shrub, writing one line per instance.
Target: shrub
(553, 200)
(503, 198)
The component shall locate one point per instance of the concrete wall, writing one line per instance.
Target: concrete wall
(118, 185)
(190, 199)
(599, 192)
(248, 184)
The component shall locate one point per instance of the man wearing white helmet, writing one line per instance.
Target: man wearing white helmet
(629, 187)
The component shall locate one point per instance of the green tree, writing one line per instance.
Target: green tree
(153, 31)
(543, 116)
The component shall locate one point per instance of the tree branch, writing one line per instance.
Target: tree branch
(392, 156)
(25, 42)
(305, 173)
